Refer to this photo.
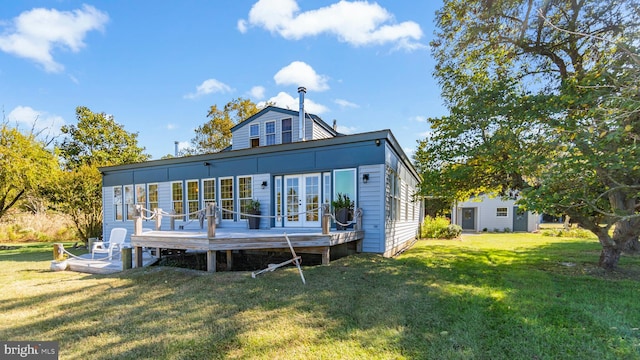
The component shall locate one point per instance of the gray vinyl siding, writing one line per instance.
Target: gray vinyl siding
(372, 205)
(399, 232)
(318, 132)
(240, 138)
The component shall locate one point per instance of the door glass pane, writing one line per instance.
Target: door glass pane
(312, 197)
(293, 207)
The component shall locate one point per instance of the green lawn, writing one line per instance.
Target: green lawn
(489, 296)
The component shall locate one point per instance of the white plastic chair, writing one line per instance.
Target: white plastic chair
(116, 240)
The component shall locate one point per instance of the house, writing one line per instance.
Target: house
(485, 213)
(292, 163)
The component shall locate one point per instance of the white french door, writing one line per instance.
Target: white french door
(302, 200)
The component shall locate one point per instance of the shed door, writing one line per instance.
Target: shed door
(468, 218)
(520, 219)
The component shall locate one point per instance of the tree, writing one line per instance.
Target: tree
(544, 102)
(215, 134)
(25, 165)
(96, 141)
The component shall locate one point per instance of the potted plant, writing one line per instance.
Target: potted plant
(253, 208)
(342, 210)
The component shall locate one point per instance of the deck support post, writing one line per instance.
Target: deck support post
(326, 255)
(211, 260)
(172, 221)
(158, 213)
(138, 256)
(326, 219)
(229, 259)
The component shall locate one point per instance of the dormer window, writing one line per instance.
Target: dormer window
(286, 131)
(270, 132)
(254, 135)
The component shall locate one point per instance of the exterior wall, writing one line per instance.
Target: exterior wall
(401, 224)
(240, 138)
(372, 205)
(372, 153)
(486, 218)
(316, 131)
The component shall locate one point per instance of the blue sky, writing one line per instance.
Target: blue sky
(157, 66)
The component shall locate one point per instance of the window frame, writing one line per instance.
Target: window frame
(270, 135)
(245, 193)
(190, 201)
(174, 200)
(500, 213)
(224, 201)
(283, 131)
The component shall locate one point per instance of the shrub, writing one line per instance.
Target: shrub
(571, 233)
(439, 228)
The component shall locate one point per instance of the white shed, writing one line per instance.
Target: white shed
(485, 213)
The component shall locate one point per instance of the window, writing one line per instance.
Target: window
(193, 199)
(117, 203)
(501, 212)
(286, 131)
(326, 187)
(392, 192)
(312, 198)
(128, 201)
(278, 198)
(270, 132)
(152, 192)
(226, 198)
(177, 197)
(245, 193)
(254, 135)
(208, 191)
(141, 196)
(344, 181)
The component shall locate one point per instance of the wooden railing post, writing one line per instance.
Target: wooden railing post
(211, 220)
(172, 221)
(137, 220)
(358, 214)
(158, 212)
(326, 219)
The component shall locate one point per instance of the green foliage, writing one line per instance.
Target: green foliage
(98, 140)
(215, 134)
(577, 233)
(439, 228)
(25, 165)
(535, 108)
(342, 202)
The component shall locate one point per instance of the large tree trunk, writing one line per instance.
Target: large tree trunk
(609, 257)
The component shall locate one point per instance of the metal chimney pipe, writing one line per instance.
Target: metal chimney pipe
(301, 116)
(175, 143)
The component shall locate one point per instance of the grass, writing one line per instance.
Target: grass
(489, 296)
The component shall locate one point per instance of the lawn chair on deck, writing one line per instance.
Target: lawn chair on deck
(116, 240)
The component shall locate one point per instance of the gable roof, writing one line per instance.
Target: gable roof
(312, 117)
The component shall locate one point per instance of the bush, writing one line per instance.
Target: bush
(571, 233)
(439, 228)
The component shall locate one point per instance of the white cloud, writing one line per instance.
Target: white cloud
(346, 129)
(299, 73)
(257, 92)
(419, 118)
(35, 33)
(242, 26)
(29, 119)
(182, 145)
(355, 22)
(207, 87)
(409, 151)
(287, 101)
(346, 104)
(171, 126)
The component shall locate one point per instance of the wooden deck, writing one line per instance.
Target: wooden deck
(101, 265)
(310, 241)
